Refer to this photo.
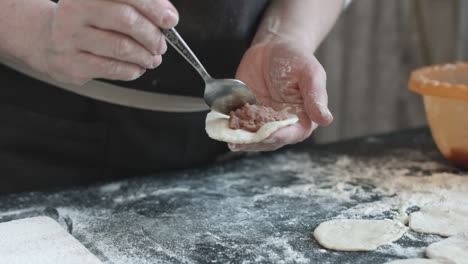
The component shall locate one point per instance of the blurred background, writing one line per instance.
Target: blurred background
(370, 54)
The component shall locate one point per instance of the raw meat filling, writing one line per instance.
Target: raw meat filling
(253, 117)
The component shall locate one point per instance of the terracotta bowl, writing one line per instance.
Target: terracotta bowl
(445, 92)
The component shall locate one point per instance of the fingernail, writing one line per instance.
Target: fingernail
(325, 112)
(163, 47)
(169, 19)
(328, 114)
(138, 74)
(156, 61)
(150, 63)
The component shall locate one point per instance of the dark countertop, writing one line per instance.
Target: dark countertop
(256, 209)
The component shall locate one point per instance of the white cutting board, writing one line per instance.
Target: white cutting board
(41, 240)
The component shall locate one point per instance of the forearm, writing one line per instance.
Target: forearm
(306, 22)
(22, 26)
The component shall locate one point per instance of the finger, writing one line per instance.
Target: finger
(115, 46)
(160, 12)
(313, 89)
(125, 19)
(106, 68)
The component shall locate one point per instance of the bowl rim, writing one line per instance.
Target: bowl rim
(421, 82)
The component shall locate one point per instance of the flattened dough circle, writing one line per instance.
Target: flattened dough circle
(453, 250)
(217, 127)
(358, 234)
(418, 261)
(444, 220)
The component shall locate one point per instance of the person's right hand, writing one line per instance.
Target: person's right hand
(109, 39)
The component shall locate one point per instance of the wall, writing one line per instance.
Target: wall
(370, 54)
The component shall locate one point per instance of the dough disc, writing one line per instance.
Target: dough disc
(358, 234)
(444, 220)
(418, 261)
(217, 127)
(453, 250)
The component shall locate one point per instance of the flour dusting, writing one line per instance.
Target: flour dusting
(262, 209)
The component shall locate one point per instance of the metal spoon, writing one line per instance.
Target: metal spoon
(221, 95)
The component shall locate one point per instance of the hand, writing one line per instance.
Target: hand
(110, 39)
(282, 74)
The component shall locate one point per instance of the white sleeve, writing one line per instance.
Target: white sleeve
(346, 3)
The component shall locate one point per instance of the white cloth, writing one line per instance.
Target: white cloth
(120, 95)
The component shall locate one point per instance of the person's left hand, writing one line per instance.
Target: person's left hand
(281, 75)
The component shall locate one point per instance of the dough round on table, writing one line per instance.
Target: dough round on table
(358, 234)
(453, 249)
(217, 127)
(418, 261)
(444, 220)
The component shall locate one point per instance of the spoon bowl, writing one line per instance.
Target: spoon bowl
(226, 95)
(221, 95)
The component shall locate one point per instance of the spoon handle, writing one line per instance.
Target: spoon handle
(179, 44)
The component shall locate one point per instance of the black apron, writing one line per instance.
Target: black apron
(50, 137)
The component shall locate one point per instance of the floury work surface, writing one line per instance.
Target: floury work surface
(257, 209)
